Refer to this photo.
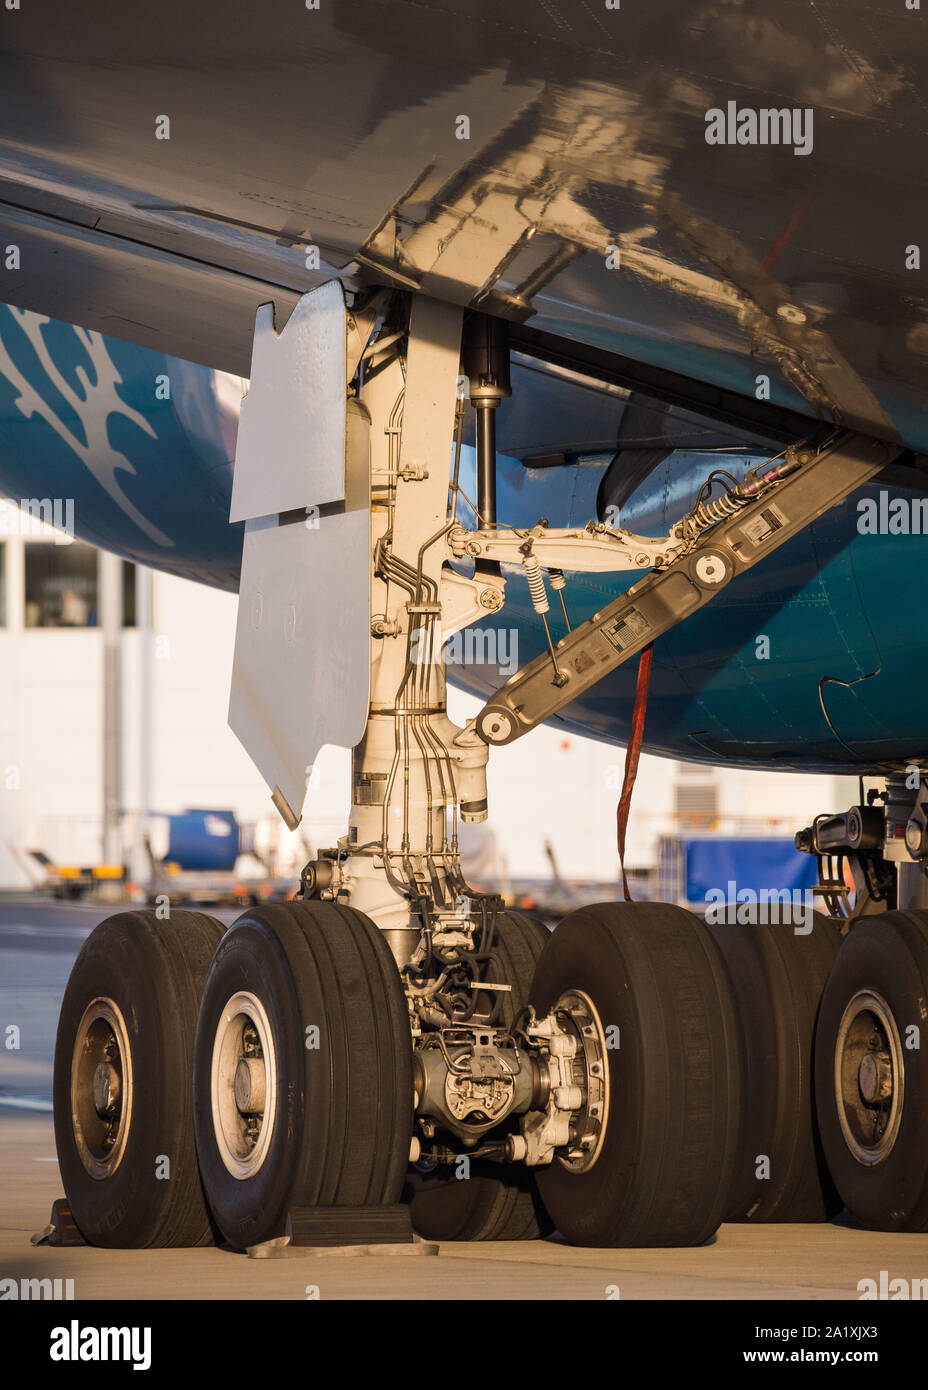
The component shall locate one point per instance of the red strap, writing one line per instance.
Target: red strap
(777, 247)
(632, 754)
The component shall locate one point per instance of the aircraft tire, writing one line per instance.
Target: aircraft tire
(871, 1060)
(123, 1081)
(303, 1085)
(777, 977)
(652, 985)
(496, 1201)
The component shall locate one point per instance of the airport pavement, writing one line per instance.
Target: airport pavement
(743, 1262)
(38, 943)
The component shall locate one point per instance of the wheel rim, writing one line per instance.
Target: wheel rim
(243, 1085)
(101, 1087)
(869, 1078)
(591, 1074)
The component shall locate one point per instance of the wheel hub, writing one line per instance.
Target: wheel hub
(250, 1086)
(875, 1077)
(101, 1087)
(243, 1085)
(590, 1103)
(869, 1077)
(107, 1088)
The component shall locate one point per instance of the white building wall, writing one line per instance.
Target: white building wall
(50, 731)
(550, 785)
(197, 759)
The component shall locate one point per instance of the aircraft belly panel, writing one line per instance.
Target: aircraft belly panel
(339, 132)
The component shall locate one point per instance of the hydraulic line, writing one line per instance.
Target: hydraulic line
(413, 722)
(708, 513)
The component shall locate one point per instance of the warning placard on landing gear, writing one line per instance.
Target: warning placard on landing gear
(627, 630)
(760, 527)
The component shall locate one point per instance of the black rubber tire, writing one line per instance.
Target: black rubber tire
(498, 1201)
(343, 1125)
(777, 978)
(887, 953)
(154, 972)
(663, 1176)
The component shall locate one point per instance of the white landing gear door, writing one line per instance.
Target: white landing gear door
(301, 675)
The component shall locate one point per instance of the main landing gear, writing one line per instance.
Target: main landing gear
(394, 1047)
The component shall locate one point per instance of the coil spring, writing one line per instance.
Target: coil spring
(536, 583)
(710, 513)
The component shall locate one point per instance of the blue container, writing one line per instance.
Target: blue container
(203, 840)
